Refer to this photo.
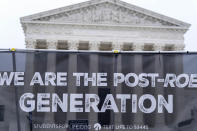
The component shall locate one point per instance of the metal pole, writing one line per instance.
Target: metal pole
(16, 93)
(113, 89)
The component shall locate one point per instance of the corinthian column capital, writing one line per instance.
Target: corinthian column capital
(51, 44)
(73, 44)
(138, 46)
(159, 47)
(94, 45)
(30, 43)
(117, 45)
(179, 47)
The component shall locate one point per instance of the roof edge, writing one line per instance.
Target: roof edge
(118, 2)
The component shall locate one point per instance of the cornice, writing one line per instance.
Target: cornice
(115, 26)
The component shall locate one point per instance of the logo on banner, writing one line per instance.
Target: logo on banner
(97, 127)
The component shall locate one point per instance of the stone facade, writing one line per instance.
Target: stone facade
(96, 25)
(103, 25)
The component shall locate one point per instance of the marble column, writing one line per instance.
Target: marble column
(29, 64)
(72, 88)
(138, 67)
(159, 118)
(51, 67)
(159, 68)
(179, 94)
(93, 65)
(94, 62)
(118, 90)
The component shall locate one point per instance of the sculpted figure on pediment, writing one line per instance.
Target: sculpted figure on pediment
(105, 13)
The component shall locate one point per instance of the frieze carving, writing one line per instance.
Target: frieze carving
(105, 13)
(138, 46)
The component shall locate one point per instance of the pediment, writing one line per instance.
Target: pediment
(105, 12)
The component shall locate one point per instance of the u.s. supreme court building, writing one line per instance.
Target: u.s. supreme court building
(105, 25)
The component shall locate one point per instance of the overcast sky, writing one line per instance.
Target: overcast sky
(12, 35)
